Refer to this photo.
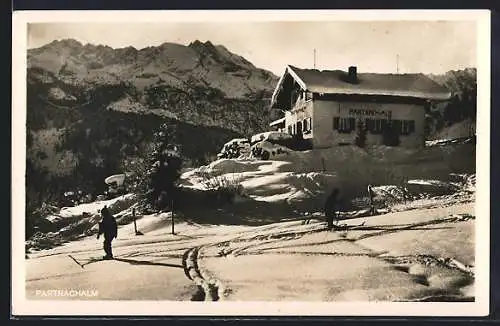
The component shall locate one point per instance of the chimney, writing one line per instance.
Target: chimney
(353, 74)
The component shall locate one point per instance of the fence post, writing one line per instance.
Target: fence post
(173, 217)
(135, 224)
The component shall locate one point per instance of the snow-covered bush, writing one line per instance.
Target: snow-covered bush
(270, 136)
(225, 187)
(283, 139)
(212, 181)
(236, 148)
(388, 195)
(431, 187)
(265, 150)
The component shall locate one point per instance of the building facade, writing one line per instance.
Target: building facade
(332, 108)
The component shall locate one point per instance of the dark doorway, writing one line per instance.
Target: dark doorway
(390, 133)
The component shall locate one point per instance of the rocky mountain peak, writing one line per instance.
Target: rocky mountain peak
(200, 44)
(174, 65)
(67, 42)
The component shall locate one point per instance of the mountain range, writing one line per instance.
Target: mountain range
(91, 106)
(170, 80)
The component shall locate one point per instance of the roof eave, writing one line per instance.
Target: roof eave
(441, 96)
(276, 89)
(290, 71)
(297, 78)
(277, 122)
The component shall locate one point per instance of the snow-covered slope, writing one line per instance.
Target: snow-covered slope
(423, 254)
(422, 250)
(305, 178)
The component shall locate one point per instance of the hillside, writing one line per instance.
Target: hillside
(202, 84)
(455, 118)
(91, 106)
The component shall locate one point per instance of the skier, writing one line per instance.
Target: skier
(162, 201)
(109, 228)
(331, 208)
(371, 194)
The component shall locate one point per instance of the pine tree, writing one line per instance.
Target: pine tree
(154, 177)
(360, 140)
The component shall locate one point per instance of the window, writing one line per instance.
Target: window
(343, 125)
(407, 127)
(294, 96)
(290, 131)
(299, 127)
(307, 125)
(375, 126)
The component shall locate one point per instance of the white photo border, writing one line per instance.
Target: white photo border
(23, 307)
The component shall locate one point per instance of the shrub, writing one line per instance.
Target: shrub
(224, 187)
(235, 149)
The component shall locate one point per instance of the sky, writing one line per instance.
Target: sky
(372, 46)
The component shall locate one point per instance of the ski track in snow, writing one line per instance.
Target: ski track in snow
(238, 262)
(194, 252)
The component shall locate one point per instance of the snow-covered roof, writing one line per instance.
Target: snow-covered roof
(335, 82)
(118, 178)
(277, 122)
(270, 135)
(237, 141)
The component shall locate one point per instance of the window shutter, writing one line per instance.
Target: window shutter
(352, 124)
(336, 123)
(398, 124)
(412, 126)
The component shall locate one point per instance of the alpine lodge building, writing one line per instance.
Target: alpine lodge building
(333, 107)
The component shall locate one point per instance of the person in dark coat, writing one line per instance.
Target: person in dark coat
(109, 228)
(371, 195)
(331, 208)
